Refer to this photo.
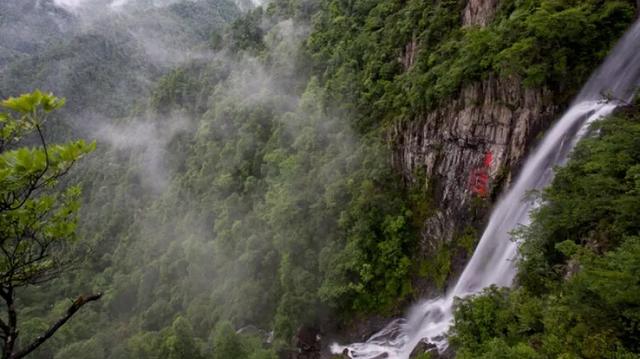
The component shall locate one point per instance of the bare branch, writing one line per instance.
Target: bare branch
(81, 301)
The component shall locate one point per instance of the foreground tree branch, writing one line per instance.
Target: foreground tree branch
(37, 218)
(79, 303)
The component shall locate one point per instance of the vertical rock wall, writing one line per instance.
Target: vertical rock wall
(448, 144)
(479, 12)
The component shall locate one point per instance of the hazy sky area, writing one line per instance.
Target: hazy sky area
(68, 3)
(72, 4)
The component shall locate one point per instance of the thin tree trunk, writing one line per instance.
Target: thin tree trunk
(11, 330)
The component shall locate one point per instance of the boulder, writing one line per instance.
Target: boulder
(423, 347)
(308, 343)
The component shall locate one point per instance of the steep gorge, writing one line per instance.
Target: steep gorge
(494, 260)
(302, 168)
(500, 114)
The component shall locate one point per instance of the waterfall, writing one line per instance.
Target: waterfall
(493, 262)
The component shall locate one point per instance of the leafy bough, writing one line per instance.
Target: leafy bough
(37, 220)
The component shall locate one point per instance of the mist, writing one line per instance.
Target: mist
(124, 5)
(273, 176)
(201, 165)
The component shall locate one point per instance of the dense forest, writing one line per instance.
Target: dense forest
(236, 188)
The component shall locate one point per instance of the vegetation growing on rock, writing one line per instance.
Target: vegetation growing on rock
(245, 180)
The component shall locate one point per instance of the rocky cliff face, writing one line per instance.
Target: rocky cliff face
(449, 145)
(497, 116)
(479, 12)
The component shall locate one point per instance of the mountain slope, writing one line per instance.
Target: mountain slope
(296, 169)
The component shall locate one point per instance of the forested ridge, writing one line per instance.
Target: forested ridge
(242, 187)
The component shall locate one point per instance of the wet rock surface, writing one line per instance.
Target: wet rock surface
(497, 116)
(308, 342)
(423, 347)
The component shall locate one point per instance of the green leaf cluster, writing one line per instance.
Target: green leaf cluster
(37, 223)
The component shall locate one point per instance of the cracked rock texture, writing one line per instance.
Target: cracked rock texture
(448, 144)
(479, 12)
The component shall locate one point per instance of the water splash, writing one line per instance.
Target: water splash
(494, 260)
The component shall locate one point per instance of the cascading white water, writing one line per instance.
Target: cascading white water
(493, 261)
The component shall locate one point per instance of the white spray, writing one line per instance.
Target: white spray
(493, 262)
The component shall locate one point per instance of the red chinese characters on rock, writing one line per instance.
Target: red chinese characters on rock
(479, 180)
